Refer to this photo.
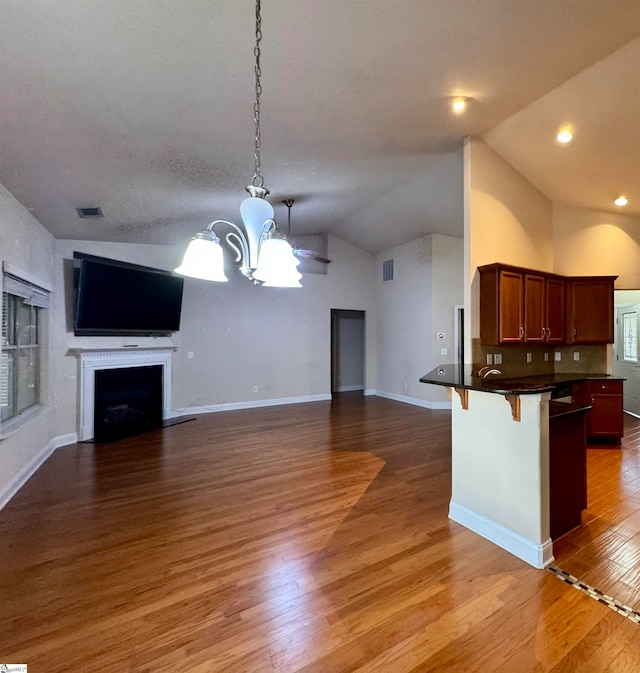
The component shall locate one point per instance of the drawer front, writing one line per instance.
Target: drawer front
(605, 387)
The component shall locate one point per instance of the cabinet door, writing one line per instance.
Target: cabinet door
(554, 310)
(534, 308)
(510, 327)
(605, 419)
(590, 310)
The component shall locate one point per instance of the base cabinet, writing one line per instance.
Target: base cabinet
(567, 472)
(605, 420)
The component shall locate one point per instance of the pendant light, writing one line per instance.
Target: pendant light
(266, 256)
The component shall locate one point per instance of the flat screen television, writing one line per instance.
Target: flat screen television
(118, 298)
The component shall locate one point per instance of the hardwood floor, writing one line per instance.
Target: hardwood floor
(307, 538)
(605, 550)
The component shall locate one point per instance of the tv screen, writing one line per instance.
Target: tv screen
(120, 298)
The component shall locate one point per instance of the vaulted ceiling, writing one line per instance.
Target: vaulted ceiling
(145, 109)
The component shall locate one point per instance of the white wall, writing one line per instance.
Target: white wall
(241, 335)
(593, 243)
(506, 220)
(27, 246)
(412, 308)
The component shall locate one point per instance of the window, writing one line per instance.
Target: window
(22, 305)
(630, 337)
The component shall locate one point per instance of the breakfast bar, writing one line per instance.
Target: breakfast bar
(518, 458)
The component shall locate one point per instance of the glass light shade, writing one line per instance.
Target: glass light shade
(255, 212)
(277, 264)
(203, 259)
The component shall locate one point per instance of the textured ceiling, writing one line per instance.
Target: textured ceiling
(144, 108)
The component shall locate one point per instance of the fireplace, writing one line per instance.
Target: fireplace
(128, 401)
(132, 367)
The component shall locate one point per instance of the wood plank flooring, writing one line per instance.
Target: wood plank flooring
(605, 550)
(307, 538)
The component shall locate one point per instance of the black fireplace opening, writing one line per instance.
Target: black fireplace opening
(128, 401)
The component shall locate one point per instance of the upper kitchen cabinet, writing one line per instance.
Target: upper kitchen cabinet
(501, 305)
(590, 309)
(520, 306)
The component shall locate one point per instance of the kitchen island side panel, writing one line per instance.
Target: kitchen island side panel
(500, 472)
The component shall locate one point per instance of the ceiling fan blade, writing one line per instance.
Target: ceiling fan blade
(311, 254)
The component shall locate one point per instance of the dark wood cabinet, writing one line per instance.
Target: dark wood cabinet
(567, 471)
(590, 309)
(501, 296)
(520, 306)
(555, 310)
(534, 308)
(605, 421)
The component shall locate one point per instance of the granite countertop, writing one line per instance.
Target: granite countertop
(557, 409)
(465, 377)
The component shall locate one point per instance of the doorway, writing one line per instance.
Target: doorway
(626, 362)
(347, 350)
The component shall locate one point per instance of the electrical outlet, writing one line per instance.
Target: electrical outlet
(443, 351)
(405, 386)
(529, 357)
(497, 358)
(546, 357)
(255, 389)
(190, 355)
(576, 355)
(489, 359)
(557, 356)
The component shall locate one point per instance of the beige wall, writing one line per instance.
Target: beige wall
(506, 220)
(411, 310)
(589, 242)
(28, 247)
(240, 335)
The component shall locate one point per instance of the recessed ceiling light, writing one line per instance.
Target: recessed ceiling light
(459, 104)
(621, 201)
(564, 136)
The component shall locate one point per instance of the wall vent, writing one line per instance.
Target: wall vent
(387, 269)
(89, 212)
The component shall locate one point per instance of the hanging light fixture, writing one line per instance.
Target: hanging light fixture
(265, 255)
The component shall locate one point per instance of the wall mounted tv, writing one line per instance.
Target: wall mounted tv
(116, 298)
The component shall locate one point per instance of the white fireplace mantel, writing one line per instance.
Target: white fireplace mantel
(91, 360)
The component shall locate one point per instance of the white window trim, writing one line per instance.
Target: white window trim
(13, 425)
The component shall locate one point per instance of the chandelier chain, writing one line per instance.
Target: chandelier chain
(258, 180)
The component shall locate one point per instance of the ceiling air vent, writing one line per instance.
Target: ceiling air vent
(89, 212)
(387, 269)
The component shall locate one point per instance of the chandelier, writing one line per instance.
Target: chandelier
(265, 255)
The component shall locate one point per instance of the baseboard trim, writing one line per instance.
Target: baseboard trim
(537, 555)
(415, 401)
(20, 479)
(253, 404)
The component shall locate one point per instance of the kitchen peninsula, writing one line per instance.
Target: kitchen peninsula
(501, 462)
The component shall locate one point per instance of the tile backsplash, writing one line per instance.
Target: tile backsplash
(592, 359)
